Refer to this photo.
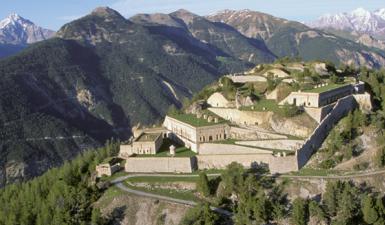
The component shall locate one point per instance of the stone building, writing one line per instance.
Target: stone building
(318, 98)
(144, 143)
(108, 168)
(191, 135)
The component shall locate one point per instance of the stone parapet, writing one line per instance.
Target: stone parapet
(160, 165)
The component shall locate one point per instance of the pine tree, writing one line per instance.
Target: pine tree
(262, 208)
(369, 211)
(203, 186)
(300, 212)
(330, 197)
(380, 157)
(96, 217)
(315, 210)
(347, 204)
(200, 215)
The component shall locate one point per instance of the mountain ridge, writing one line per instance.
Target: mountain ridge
(101, 76)
(17, 30)
(104, 74)
(16, 33)
(359, 21)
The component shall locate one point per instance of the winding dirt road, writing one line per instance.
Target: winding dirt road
(118, 182)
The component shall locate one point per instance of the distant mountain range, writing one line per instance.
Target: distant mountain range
(369, 26)
(17, 32)
(103, 74)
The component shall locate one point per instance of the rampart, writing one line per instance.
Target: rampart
(364, 101)
(275, 164)
(252, 134)
(160, 165)
(222, 149)
(318, 114)
(246, 79)
(242, 117)
(315, 140)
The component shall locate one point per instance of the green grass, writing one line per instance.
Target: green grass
(156, 179)
(268, 105)
(325, 88)
(109, 195)
(194, 121)
(147, 137)
(179, 194)
(115, 175)
(316, 172)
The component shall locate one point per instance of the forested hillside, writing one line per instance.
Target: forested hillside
(103, 76)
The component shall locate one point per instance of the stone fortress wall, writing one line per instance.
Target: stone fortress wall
(312, 99)
(337, 104)
(161, 165)
(364, 101)
(252, 156)
(181, 132)
(275, 164)
(143, 142)
(315, 140)
(246, 79)
(242, 117)
(318, 114)
(287, 163)
(328, 97)
(300, 98)
(191, 136)
(147, 146)
(253, 134)
(228, 149)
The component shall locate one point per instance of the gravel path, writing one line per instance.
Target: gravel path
(118, 183)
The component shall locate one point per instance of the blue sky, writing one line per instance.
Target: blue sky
(54, 13)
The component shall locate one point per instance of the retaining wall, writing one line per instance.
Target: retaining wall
(246, 79)
(318, 114)
(242, 117)
(160, 165)
(315, 140)
(221, 149)
(364, 101)
(253, 134)
(276, 164)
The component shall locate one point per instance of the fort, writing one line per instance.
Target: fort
(251, 132)
(147, 142)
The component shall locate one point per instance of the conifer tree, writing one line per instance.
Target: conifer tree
(369, 211)
(300, 212)
(203, 186)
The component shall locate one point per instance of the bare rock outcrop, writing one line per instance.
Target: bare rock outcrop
(300, 126)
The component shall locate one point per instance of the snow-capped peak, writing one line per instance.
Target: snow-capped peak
(14, 16)
(359, 20)
(361, 12)
(14, 19)
(14, 29)
(380, 13)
